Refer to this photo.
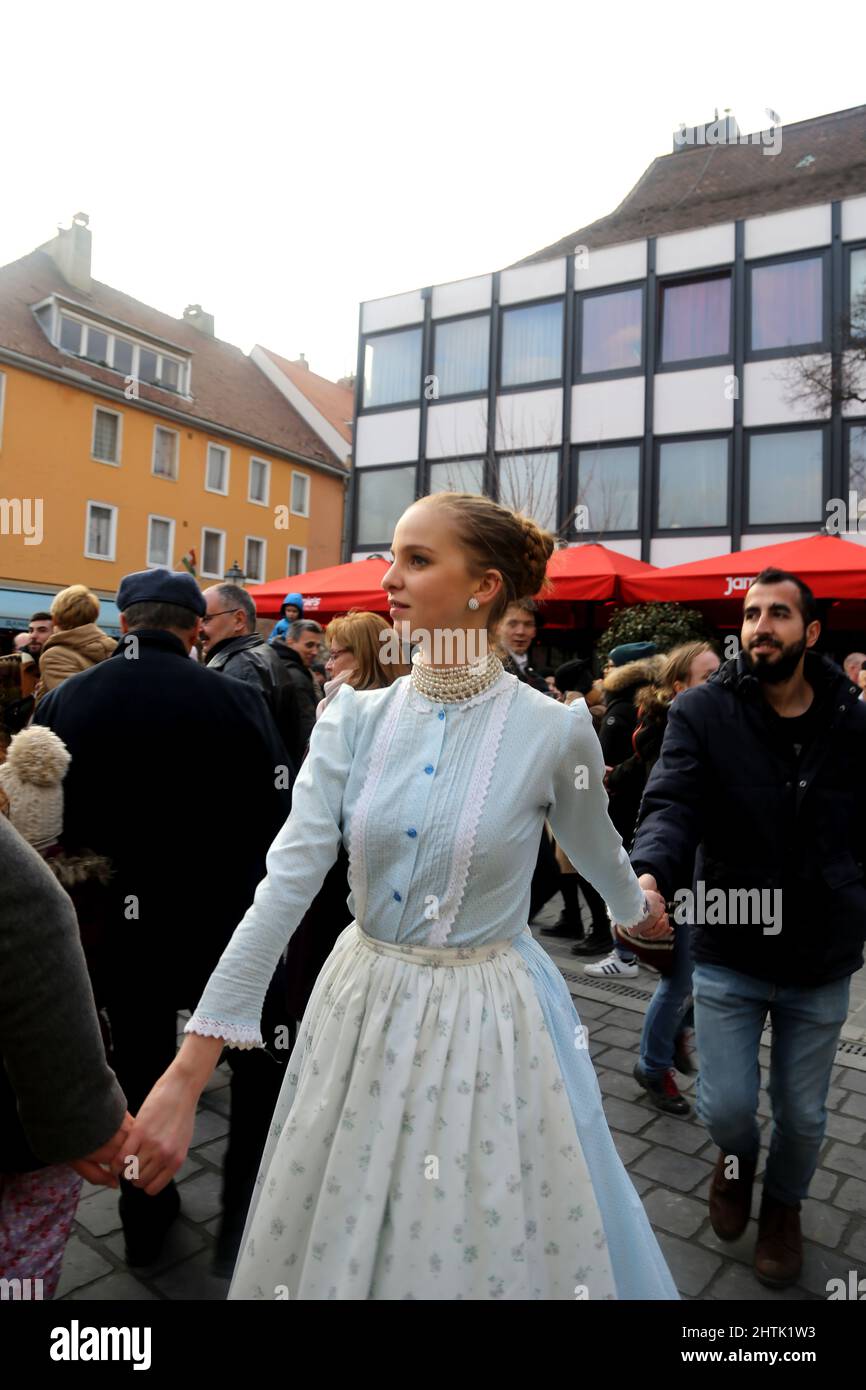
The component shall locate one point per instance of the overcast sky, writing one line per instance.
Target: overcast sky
(280, 163)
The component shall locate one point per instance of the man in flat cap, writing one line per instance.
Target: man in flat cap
(179, 777)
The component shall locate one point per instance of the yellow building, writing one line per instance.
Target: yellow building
(129, 438)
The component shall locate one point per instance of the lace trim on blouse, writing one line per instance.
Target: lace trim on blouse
(473, 805)
(358, 829)
(233, 1034)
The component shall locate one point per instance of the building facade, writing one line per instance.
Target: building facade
(129, 438)
(641, 381)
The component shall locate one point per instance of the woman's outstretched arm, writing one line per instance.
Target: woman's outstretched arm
(229, 1011)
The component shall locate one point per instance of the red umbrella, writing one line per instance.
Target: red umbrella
(831, 566)
(591, 572)
(327, 592)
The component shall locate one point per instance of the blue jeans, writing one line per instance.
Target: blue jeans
(668, 1009)
(730, 1010)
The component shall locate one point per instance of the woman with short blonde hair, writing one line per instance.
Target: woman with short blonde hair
(76, 643)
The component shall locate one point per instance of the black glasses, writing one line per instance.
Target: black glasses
(219, 614)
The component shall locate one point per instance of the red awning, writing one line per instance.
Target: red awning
(832, 567)
(327, 592)
(591, 572)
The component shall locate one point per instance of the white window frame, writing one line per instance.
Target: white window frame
(306, 478)
(110, 507)
(264, 569)
(300, 550)
(2, 404)
(258, 501)
(213, 531)
(157, 564)
(212, 444)
(166, 477)
(110, 463)
(183, 365)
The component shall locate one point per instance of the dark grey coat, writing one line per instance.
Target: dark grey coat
(68, 1097)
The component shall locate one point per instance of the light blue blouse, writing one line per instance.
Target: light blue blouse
(441, 807)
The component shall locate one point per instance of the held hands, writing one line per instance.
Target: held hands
(160, 1134)
(98, 1167)
(656, 923)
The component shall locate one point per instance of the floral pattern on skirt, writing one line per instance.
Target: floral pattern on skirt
(36, 1214)
(423, 1145)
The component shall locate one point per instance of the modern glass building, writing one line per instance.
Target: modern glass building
(641, 381)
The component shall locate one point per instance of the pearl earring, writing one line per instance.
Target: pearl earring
(473, 603)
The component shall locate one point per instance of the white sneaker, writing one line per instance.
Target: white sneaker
(612, 965)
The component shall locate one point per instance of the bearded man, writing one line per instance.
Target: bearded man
(759, 786)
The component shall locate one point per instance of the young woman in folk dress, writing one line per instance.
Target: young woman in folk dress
(440, 1132)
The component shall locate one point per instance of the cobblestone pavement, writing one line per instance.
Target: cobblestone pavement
(670, 1161)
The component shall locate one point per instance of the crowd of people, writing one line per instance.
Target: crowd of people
(159, 790)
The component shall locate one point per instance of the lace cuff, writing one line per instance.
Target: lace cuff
(634, 921)
(237, 1035)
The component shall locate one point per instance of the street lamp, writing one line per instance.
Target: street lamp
(235, 575)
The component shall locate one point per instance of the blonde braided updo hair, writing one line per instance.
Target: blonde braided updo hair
(494, 537)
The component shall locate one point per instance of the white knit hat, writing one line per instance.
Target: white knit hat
(31, 777)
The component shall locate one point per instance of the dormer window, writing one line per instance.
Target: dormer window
(98, 343)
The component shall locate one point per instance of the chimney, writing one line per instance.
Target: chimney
(70, 251)
(195, 315)
(348, 382)
(720, 131)
(302, 362)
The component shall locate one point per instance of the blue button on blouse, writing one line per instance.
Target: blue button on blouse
(412, 832)
(397, 898)
(429, 768)
(442, 714)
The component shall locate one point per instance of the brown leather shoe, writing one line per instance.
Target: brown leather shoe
(731, 1198)
(779, 1251)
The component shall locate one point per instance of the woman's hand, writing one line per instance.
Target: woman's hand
(96, 1167)
(656, 923)
(161, 1134)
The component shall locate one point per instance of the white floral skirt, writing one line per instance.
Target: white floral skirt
(423, 1145)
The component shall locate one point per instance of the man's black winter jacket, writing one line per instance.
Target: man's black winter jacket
(727, 804)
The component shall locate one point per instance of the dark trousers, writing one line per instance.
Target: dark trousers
(545, 879)
(143, 1046)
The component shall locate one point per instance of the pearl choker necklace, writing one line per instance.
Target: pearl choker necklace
(451, 683)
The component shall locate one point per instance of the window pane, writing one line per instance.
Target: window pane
(392, 368)
(168, 372)
(258, 475)
(531, 344)
(147, 365)
(608, 486)
(99, 531)
(254, 560)
(296, 560)
(158, 547)
(693, 483)
(461, 356)
(217, 459)
(383, 495)
(857, 463)
(97, 345)
(70, 335)
(786, 477)
(299, 493)
(165, 455)
(858, 294)
(530, 483)
(210, 560)
(105, 436)
(612, 331)
(458, 475)
(787, 308)
(123, 356)
(696, 319)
